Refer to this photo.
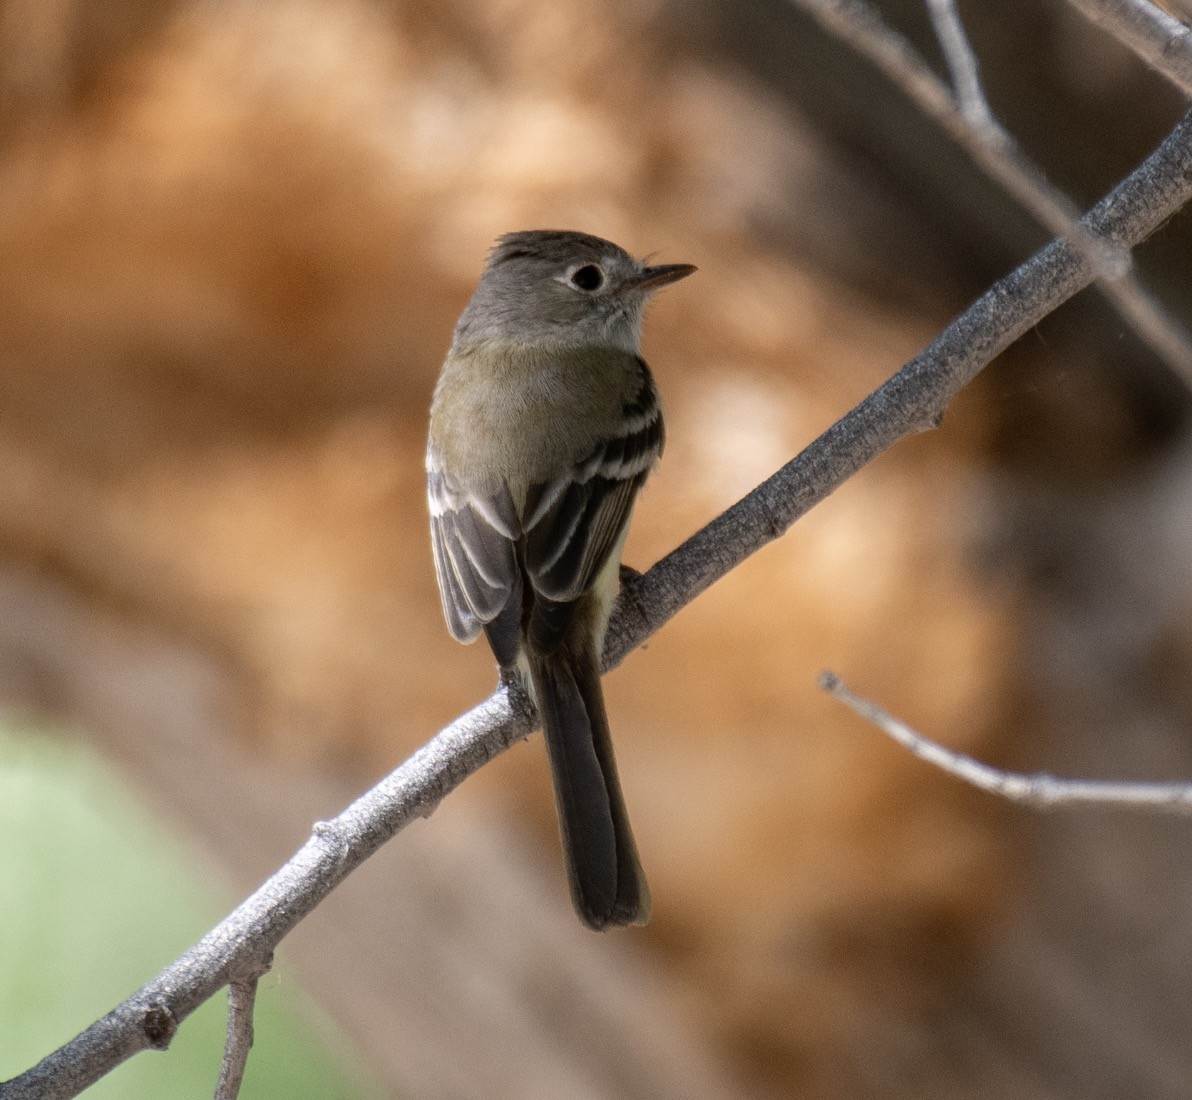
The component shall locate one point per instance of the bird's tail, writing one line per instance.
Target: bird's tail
(607, 883)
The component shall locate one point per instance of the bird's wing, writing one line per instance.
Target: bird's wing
(571, 524)
(473, 540)
(566, 529)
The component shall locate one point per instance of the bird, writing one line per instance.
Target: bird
(544, 425)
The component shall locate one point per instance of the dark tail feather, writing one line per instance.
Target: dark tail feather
(607, 884)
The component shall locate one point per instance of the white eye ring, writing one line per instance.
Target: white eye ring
(587, 277)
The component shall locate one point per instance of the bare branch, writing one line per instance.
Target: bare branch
(1044, 791)
(912, 400)
(242, 996)
(1163, 333)
(858, 25)
(1160, 39)
(962, 64)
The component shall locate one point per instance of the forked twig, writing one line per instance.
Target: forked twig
(858, 25)
(242, 997)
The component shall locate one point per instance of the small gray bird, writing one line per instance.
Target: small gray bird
(544, 425)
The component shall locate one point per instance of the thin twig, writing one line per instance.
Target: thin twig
(1156, 36)
(859, 26)
(1044, 791)
(242, 997)
(962, 64)
(912, 400)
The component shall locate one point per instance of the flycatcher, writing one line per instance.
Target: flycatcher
(544, 425)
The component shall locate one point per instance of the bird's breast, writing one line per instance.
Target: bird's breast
(521, 415)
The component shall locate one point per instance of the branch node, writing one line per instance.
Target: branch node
(331, 836)
(927, 424)
(828, 681)
(1045, 791)
(158, 1025)
(255, 969)
(519, 700)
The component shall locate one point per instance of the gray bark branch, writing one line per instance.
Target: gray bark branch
(242, 999)
(1158, 37)
(1039, 790)
(962, 64)
(967, 119)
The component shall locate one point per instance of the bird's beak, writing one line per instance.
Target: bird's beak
(653, 278)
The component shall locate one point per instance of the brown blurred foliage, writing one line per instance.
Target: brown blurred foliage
(233, 241)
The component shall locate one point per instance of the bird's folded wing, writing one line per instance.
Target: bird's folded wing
(566, 529)
(473, 541)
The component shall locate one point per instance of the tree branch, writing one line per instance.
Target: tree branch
(993, 149)
(1043, 791)
(962, 64)
(242, 997)
(1160, 39)
(912, 400)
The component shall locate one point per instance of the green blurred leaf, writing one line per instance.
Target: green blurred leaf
(95, 898)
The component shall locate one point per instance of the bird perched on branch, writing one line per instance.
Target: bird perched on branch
(545, 424)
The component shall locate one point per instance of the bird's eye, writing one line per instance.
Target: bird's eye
(588, 277)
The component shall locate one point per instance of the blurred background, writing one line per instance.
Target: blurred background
(234, 237)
